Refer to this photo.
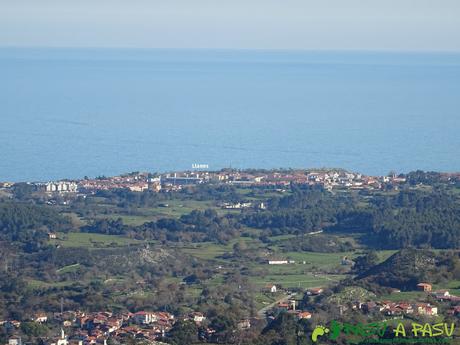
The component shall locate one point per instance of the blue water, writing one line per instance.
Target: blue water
(70, 113)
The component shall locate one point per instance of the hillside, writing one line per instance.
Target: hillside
(404, 270)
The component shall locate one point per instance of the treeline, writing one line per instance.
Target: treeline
(429, 178)
(125, 198)
(306, 209)
(427, 217)
(409, 218)
(198, 226)
(30, 224)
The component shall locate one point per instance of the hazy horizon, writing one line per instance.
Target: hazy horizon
(404, 25)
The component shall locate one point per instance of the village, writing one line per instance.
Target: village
(152, 327)
(80, 328)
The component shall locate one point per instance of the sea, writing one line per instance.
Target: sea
(69, 113)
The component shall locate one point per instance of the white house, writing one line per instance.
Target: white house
(244, 324)
(15, 341)
(271, 288)
(427, 309)
(144, 317)
(40, 317)
(198, 317)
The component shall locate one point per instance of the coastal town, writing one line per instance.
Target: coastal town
(142, 181)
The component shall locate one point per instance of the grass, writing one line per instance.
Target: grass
(289, 276)
(80, 239)
(68, 269)
(38, 284)
(280, 238)
(128, 220)
(321, 260)
(176, 208)
(385, 254)
(207, 251)
(293, 280)
(453, 286)
(76, 220)
(262, 299)
(410, 296)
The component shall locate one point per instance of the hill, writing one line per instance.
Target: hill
(405, 269)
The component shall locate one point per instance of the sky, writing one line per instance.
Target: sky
(410, 25)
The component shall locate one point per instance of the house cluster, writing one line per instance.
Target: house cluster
(290, 306)
(139, 182)
(61, 340)
(97, 328)
(209, 334)
(6, 185)
(397, 308)
(329, 179)
(440, 295)
(133, 182)
(61, 187)
(93, 328)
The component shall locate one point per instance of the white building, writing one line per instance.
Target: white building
(15, 341)
(144, 317)
(198, 317)
(271, 288)
(61, 187)
(62, 340)
(40, 317)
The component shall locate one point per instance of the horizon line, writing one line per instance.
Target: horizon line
(228, 49)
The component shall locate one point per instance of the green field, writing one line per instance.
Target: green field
(453, 286)
(68, 269)
(175, 209)
(404, 296)
(207, 251)
(302, 281)
(37, 284)
(88, 240)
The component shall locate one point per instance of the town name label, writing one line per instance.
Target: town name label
(200, 166)
(356, 333)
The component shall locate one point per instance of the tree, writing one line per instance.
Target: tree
(34, 329)
(183, 333)
(366, 262)
(239, 248)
